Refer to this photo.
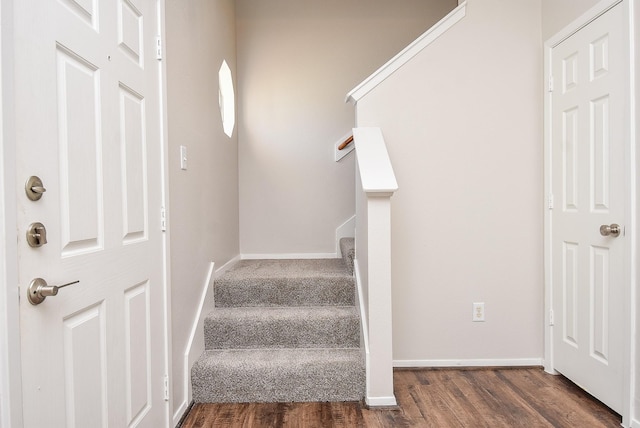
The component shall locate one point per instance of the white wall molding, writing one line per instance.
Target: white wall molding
(345, 230)
(363, 323)
(195, 344)
(283, 256)
(389, 401)
(489, 362)
(407, 53)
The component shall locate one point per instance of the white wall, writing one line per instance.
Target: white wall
(463, 126)
(296, 62)
(557, 14)
(204, 198)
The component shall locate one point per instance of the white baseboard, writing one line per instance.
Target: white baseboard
(381, 401)
(490, 362)
(345, 230)
(195, 344)
(635, 423)
(282, 256)
(363, 314)
(225, 267)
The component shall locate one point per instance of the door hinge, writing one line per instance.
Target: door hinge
(550, 83)
(158, 48)
(551, 322)
(550, 201)
(163, 219)
(166, 387)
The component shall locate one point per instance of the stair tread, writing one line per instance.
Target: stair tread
(286, 268)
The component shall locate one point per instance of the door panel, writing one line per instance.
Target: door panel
(589, 113)
(87, 94)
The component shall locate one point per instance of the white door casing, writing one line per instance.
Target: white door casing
(587, 172)
(88, 123)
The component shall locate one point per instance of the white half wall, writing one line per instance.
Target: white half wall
(296, 62)
(203, 208)
(463, 126)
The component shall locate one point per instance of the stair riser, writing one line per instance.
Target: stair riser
(299, 333)
(285, 292)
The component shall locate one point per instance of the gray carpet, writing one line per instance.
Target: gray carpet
(282, 331)
(348, 250)
(286, 283)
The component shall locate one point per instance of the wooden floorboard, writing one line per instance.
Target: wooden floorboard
(434, 398)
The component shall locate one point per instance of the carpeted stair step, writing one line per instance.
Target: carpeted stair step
(278, 375)
(348, 251)
(282, 327)
(318, 282)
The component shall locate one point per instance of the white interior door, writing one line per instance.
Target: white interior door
(589, 113)
(87, 91)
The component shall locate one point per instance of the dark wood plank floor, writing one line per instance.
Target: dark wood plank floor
(497, 397)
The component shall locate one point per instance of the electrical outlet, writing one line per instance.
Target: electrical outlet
(478, 312)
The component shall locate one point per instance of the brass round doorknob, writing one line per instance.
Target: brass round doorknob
(610, 230)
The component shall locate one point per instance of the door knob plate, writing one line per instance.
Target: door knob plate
(34, 188)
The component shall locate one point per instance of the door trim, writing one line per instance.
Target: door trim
(166, 234)
(10, 355)
(630, 202)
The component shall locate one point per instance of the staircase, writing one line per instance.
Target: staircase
(283, 331)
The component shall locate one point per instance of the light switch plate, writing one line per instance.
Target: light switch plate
(183, 157)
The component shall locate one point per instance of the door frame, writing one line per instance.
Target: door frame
(631, 167)
(11, 406)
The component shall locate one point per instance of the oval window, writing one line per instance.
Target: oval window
(226, 98)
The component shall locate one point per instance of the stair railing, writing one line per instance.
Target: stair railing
(375, 184)
(345, 143)
(343, 147)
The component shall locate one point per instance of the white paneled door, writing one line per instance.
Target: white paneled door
(88, 124)
(589, 254)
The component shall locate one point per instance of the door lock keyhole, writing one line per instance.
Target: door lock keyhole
(36, 234)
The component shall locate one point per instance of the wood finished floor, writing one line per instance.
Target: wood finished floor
(509, 397)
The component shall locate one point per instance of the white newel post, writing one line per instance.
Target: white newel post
(380, 386)
(376, 186)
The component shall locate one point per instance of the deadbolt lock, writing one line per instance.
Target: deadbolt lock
(34, 188)
(36, 234)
